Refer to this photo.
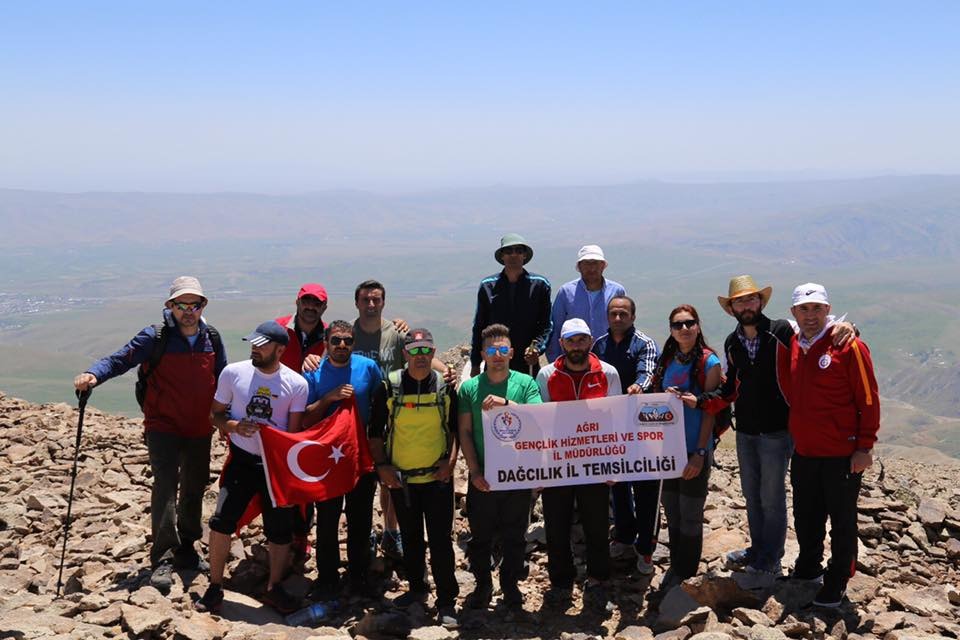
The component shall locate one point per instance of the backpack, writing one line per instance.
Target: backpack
(395, 390)
(159, 348)
(723, 420)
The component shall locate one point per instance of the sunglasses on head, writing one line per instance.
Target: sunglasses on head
(336, 341)
(683, 324)
(420, 351)
(188, 306)
(502, 350)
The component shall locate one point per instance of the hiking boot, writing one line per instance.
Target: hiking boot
(189, 560)
(392, 544)
(512, 597)
(830, 595)
(279, 599)
(801, 575)
(364, 588)
(621, 550)
(162, 577)
(323, 591)
(645, 565)
(410, 597)
(739, 558)
(447, 617)
(480, 597)
(595, 596)
(211, 600)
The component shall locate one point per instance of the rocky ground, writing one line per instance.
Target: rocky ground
(906, 586)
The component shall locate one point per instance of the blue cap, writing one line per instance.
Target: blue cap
(269, 331)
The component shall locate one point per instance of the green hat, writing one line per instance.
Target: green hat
(513, 240)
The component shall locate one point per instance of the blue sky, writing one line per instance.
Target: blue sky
(291, 97)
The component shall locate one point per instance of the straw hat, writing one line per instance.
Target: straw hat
(744, 286)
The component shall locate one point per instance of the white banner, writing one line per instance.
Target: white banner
(629, 437)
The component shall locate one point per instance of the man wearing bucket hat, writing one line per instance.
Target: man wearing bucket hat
(586, 297)
(518, 299)
(764, 444)
(179, 362)
(834, 419)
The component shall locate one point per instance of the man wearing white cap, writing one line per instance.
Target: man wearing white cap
(577, 375)
(834, 418)
(585, 298)
(179, 361)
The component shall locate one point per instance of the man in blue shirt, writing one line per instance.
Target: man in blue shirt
(586, 298)
(636, 505)
(340, 376)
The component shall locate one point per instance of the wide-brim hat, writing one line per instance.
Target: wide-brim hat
(513, 240)
(744, 286)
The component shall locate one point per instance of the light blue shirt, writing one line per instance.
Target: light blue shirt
(574, 301)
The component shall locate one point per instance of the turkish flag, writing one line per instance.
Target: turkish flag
(321, 463)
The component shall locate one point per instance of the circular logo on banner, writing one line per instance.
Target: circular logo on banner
(825, 361)
(506, 426)
(651, 413)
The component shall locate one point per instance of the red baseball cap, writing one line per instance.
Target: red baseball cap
(313, 289)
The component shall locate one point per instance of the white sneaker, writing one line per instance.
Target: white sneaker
(621, 549)
(645, 565)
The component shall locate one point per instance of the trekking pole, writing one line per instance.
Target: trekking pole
(82, 396)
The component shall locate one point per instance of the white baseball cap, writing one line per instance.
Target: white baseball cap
(574, 327)
(810, 292)
(590, 252)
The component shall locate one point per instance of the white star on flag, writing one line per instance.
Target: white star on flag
(336, 454)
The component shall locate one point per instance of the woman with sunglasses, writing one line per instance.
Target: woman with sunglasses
(687, 364)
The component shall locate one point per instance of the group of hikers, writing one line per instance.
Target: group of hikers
(803, 392)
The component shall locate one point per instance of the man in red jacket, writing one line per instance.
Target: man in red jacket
(834, 418)
(577, 375)
(305, 327)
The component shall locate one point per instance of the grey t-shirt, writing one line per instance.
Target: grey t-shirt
(385, 347)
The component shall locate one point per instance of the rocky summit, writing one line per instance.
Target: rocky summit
(906, 585)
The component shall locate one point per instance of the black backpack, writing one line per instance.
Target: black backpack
(159, 347)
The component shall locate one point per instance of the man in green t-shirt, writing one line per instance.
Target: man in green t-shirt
(506, 512)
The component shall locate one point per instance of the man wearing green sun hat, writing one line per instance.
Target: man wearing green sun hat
(518, 299)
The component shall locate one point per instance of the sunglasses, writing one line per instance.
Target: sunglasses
(420, 351)
(336, 341)
(683, 324)
(511, 250)
(188, 306)
(492, 351)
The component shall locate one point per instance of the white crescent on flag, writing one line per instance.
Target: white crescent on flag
(294, 464)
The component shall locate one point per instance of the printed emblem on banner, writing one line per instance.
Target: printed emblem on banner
(655, 413)
(506, 426)
(825, 361)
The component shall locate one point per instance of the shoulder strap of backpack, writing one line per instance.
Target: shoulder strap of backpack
(156, 353)
(215, 340)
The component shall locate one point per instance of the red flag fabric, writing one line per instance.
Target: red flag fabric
(321, 463)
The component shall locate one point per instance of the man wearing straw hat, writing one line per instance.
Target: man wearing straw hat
(517, 298)
(764, 445)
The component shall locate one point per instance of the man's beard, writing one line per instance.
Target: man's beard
(263, 362)
(748, 317)
(576, 357)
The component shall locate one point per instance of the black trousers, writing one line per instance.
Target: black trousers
(359, 510)
(683, 502)
(824, 488)
(592, 504)
(430, 504)
(181, 472)
(503, 512)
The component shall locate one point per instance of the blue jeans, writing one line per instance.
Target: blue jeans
(763, 462)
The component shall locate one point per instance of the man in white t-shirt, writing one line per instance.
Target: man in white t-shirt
(251, 395)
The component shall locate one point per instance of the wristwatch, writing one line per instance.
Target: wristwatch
(701, 452)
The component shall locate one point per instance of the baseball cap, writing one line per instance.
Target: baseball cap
(269, 331)
(810, 292)
(574, 327)
(184, 285)
(313, 289)
(590, 252)
(418, 338)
